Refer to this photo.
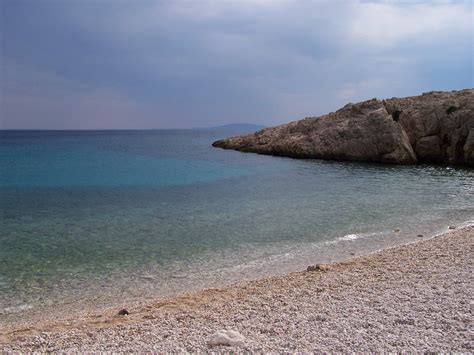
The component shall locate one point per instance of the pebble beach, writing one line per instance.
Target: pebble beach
(414, 297)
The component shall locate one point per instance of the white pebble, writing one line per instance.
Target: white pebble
(227, 338)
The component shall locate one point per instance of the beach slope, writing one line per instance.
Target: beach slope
(414, 297)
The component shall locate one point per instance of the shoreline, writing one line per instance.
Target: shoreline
(198, 311)
(341, 249)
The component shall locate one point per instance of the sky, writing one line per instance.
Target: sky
(142, 64)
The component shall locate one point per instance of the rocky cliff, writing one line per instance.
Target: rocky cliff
(436, 127)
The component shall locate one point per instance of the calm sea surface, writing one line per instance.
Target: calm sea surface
(116, 215)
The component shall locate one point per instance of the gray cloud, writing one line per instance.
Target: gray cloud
(122, 64)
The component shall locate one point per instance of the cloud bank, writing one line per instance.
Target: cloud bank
(180, 64)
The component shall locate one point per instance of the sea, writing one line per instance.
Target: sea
(108, 217)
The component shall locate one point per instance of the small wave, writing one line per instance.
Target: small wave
(276, 258)
(346, 238)
(447, 228)
(350, 237)
(466, 224)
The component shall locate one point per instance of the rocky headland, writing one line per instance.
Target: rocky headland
(435, 127)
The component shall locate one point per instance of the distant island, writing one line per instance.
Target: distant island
(241, 127)
(435, 127)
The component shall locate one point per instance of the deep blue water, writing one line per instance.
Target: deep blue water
(127, 214)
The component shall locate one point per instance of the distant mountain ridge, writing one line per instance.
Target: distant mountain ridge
(243, 127)
(435, 127)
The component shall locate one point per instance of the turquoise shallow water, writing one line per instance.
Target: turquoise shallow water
(124, 214)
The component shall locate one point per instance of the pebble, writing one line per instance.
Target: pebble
(317, 267)
(123, 312)
(227, 338)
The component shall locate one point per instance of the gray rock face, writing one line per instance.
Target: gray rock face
(434, 127)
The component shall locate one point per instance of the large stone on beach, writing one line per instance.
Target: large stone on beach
(433, 127)
(317, 267)
(227, 338)
(123, 312)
